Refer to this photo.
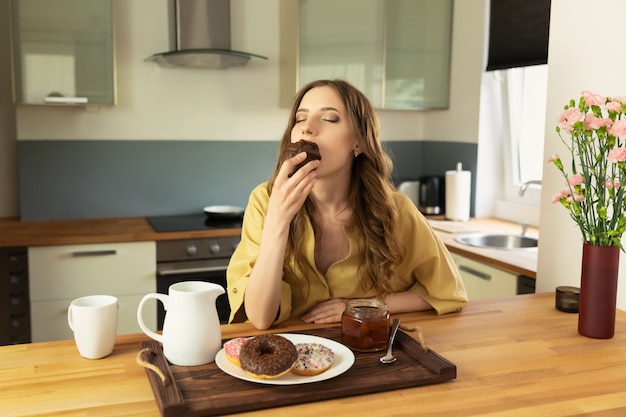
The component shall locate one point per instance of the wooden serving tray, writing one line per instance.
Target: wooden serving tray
(207, 391)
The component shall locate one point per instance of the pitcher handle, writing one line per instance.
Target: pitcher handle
(161, 297)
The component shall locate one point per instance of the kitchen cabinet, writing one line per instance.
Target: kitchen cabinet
(63, 52)
(397, 52)
(59, 274)
(14, 305)
(484, 281)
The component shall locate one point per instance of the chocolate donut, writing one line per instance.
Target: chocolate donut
(268, 356)
(311, 149)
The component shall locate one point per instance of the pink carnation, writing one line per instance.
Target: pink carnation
(617, 155)
(561, 194)
(620, 99)
(592, 99)
(576, 179)
(553, 157)
(612, 184)
(615, 106)
(618, 129)
(575, 198)
(569, 117)
(593, 122)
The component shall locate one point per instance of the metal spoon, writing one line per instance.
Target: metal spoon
(389, 358)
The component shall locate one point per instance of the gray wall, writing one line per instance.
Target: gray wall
(94, 179)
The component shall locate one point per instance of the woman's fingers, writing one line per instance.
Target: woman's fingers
(329, 311)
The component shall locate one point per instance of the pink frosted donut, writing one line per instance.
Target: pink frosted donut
(232, 348)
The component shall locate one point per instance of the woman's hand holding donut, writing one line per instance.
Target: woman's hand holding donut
(288, 196)
(329, 311)
(289, 193)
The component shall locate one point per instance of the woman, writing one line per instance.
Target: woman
(337, 228)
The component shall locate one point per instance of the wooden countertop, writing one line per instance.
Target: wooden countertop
(15, 233)
(72, 232)
(514, 356)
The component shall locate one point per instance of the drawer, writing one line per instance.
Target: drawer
(484, 281)
(68, 272)
(13, 259)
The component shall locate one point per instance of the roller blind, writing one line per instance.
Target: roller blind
(518, 33)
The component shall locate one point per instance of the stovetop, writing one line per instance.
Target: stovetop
(191, 222)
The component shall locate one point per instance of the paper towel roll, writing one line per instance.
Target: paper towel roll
(458, 194)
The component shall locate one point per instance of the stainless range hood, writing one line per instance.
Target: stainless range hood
(200, 37)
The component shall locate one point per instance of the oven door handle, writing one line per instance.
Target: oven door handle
(182, 271)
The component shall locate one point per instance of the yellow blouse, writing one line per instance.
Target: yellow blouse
(428, 269)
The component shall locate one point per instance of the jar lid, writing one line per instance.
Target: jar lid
(366, 307)
(568, 290)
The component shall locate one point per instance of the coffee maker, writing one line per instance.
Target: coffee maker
(428, 193)
(432, 194)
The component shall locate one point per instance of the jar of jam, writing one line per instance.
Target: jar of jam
(365, 325)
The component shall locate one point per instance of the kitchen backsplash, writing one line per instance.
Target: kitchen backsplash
(95, 179)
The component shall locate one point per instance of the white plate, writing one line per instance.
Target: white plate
(224, 211)
(343, 360)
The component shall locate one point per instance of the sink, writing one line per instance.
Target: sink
(496, 241)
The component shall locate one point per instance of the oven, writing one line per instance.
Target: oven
(195, 259)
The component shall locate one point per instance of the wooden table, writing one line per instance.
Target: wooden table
(514, 356)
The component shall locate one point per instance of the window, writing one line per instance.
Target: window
(511, 141)
(524, 92)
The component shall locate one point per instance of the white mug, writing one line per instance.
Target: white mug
(93, 319)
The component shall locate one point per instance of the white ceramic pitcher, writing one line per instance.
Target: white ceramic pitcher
(191, 330)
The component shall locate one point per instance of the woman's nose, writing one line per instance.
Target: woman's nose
(306, 128)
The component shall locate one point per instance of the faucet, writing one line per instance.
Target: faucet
(524, 228)
(525, 185)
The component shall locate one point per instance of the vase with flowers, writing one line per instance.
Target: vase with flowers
(594, 131)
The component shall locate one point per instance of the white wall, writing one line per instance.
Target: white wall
(158, 103)
(234, 104)
(586, 53)
(460, 122)
(238, 103)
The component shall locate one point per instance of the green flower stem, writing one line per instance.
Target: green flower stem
(600, 215)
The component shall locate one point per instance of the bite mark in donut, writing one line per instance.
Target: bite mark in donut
(311, 149)
(268, 356)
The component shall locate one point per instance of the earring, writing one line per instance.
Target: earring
(356, 153)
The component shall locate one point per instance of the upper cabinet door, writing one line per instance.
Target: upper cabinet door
(343, 39)
(418, 48)
(397, 52)
(63, 52)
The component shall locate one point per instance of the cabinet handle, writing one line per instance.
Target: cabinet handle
(479, 274)
(94, 253)
(66, 100)
(183, 271)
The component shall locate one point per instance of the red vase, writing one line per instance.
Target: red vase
(598, 291)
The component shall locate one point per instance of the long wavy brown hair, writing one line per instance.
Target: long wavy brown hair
(374, 213)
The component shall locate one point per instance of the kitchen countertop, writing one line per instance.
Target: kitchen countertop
(514, 356)
(519, 261)
(132, 229)
(73, 232)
